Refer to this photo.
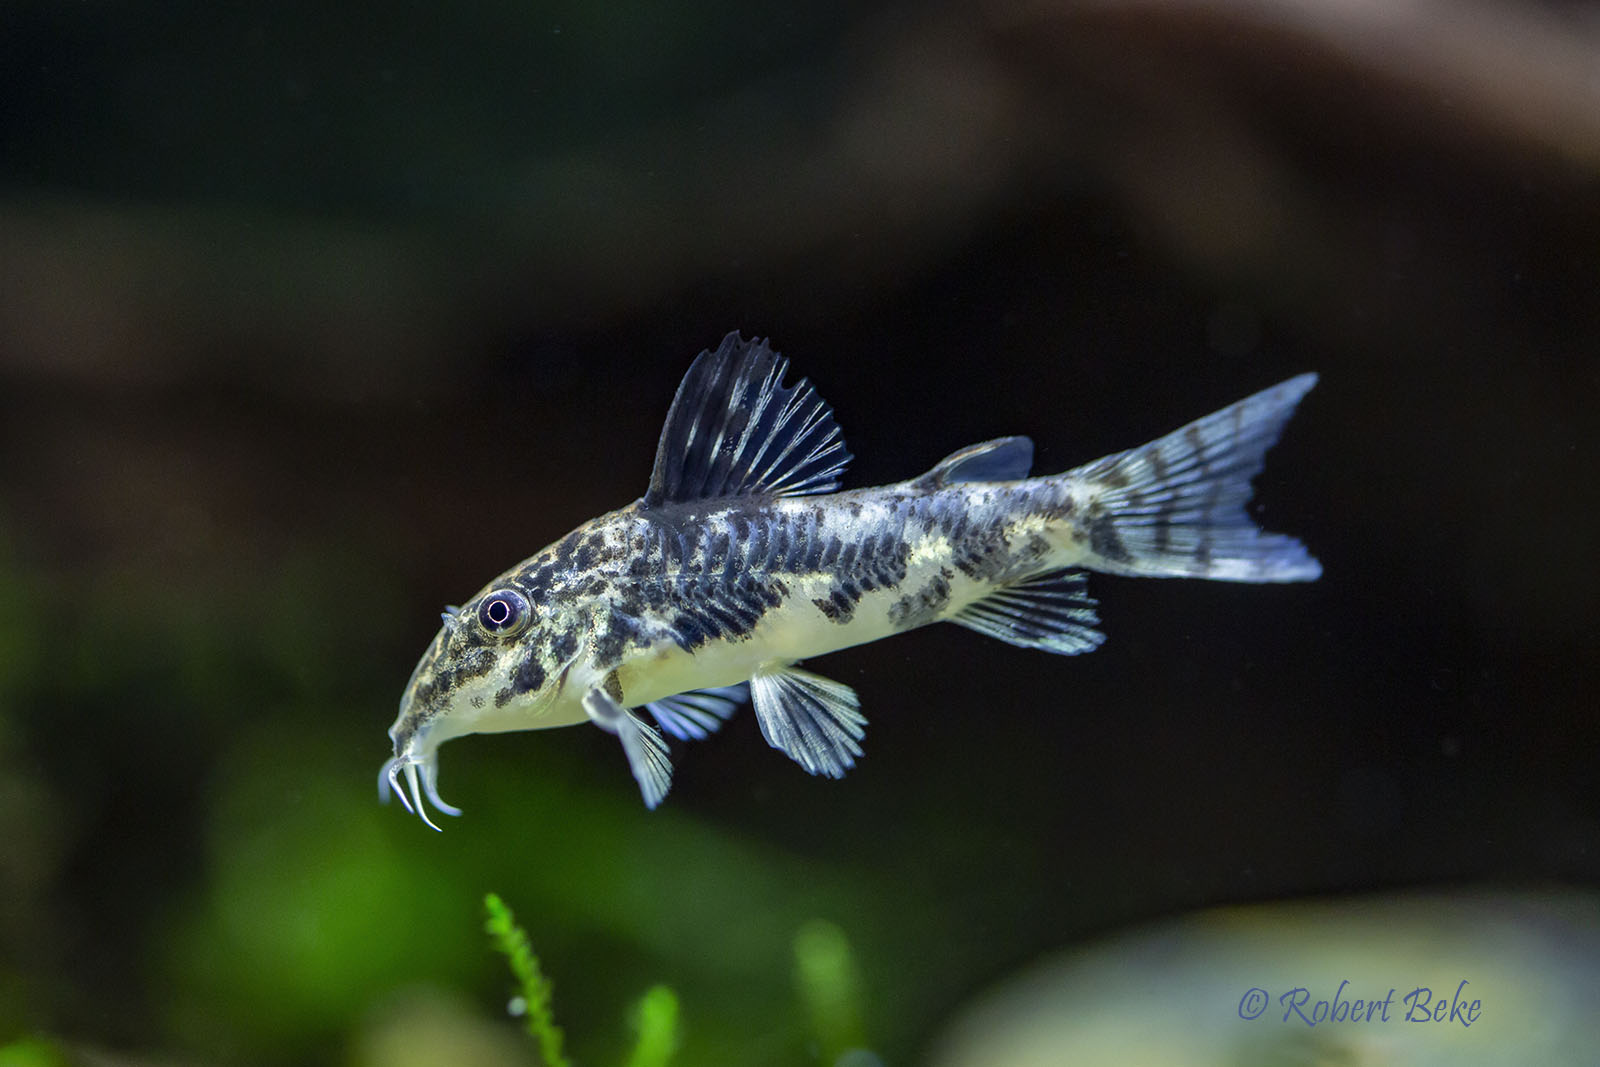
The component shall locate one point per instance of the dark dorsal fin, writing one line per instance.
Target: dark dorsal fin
(1002, 460)
(736, 429)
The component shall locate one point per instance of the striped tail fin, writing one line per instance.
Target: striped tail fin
(1176, 506)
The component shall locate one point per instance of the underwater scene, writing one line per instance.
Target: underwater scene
(983, 534)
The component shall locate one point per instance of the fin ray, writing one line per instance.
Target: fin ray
(698, 713)
(1004, 459)
(1052, 612)
(642, 744)
(813, 720)
(735, 429)
(1176, 506)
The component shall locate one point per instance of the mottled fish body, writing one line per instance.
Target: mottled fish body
(742, 560)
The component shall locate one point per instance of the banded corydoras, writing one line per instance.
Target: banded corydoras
(742, 559)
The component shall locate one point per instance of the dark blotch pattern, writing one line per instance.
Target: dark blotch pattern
(463, 656)
(859, 567)
(1105, 541)
(839, 605)
(715, 575)
(614, 637)
(528, 678)
(702, 571)
(922, 605)
(564, 645)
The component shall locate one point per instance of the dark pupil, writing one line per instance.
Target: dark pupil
(499, 613)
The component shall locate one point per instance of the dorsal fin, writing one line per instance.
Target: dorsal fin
(735, 429)
(1004, 459)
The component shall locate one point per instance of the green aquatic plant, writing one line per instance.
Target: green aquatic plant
(656, 1018)
(829, 987)
(827, 983)
(512, 943)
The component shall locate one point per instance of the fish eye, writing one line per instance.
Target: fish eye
(504, 613)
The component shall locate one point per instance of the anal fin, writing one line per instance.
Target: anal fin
(814, 720)
(695, 715)
(641, 743)
(1051, 611)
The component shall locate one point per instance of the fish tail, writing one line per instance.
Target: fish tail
(1176, 506)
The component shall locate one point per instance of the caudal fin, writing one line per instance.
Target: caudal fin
(1176, 507)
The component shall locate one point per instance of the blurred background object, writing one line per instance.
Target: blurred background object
(1358, 981)
(312, 318)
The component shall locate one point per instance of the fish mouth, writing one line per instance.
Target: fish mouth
(422, 777)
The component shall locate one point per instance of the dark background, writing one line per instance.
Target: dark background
(313, 319)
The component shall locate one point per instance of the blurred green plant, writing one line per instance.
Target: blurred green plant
(829, 985)
(512, 943)
(656, 1019)
(32, 1052)
(826, 979)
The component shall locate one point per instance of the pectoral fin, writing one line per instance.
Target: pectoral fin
(641, 743)
(814, 720)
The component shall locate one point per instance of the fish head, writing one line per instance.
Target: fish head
(494, 665)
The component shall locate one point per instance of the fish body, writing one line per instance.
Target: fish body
(742, 559)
